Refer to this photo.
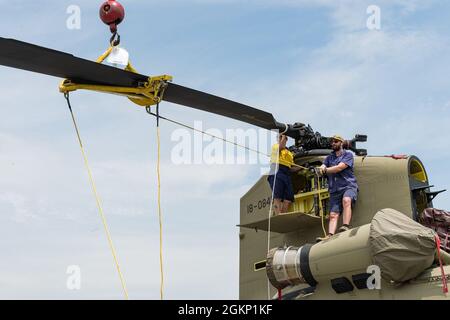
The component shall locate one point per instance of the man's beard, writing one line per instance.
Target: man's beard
(336, 147)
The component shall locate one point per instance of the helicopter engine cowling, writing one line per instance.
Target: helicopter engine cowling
(398, 245)
(326, 260)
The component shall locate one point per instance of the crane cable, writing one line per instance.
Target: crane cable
(97, 198)
(216, 137)
(158, 165)
(207, 134)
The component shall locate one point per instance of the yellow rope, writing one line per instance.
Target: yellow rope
(322, 212)
(160, 216)
(97, 199)
(323, 223)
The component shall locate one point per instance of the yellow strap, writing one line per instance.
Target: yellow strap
(161, 290)
(104, 55)
(97, 199)
(130, 68)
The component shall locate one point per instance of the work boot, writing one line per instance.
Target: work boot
(328, 236)
(344, 228)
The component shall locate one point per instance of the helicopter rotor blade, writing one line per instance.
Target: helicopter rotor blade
(29, 57)
(207, 102)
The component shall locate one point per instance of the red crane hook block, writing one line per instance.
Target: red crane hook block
(112, 13)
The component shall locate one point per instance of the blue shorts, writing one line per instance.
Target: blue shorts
(283, 186)
(336, 199)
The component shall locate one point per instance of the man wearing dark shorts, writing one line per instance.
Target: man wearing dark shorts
(280, 180)
(342, 185)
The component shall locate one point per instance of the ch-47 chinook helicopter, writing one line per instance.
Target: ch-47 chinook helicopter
(394, 194)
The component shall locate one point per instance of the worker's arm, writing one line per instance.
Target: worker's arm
(282, 144)
(336, 169)
(347, 161)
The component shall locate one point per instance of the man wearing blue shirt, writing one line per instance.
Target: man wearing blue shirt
(342, 185)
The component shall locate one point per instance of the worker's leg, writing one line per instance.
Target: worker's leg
(277, 194)
(286, 204)
(334, 217)
(347, 205)
(277, 206)
(348, 200)
(335, 211)
(288, 194)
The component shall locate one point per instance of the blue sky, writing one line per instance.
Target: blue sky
(304, 61)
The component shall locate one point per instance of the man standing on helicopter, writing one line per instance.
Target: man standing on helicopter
(342, 185)
(279, 178)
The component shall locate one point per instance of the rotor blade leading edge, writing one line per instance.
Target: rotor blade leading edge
(207, 102)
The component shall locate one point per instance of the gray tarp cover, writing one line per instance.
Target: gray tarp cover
(401, 247)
